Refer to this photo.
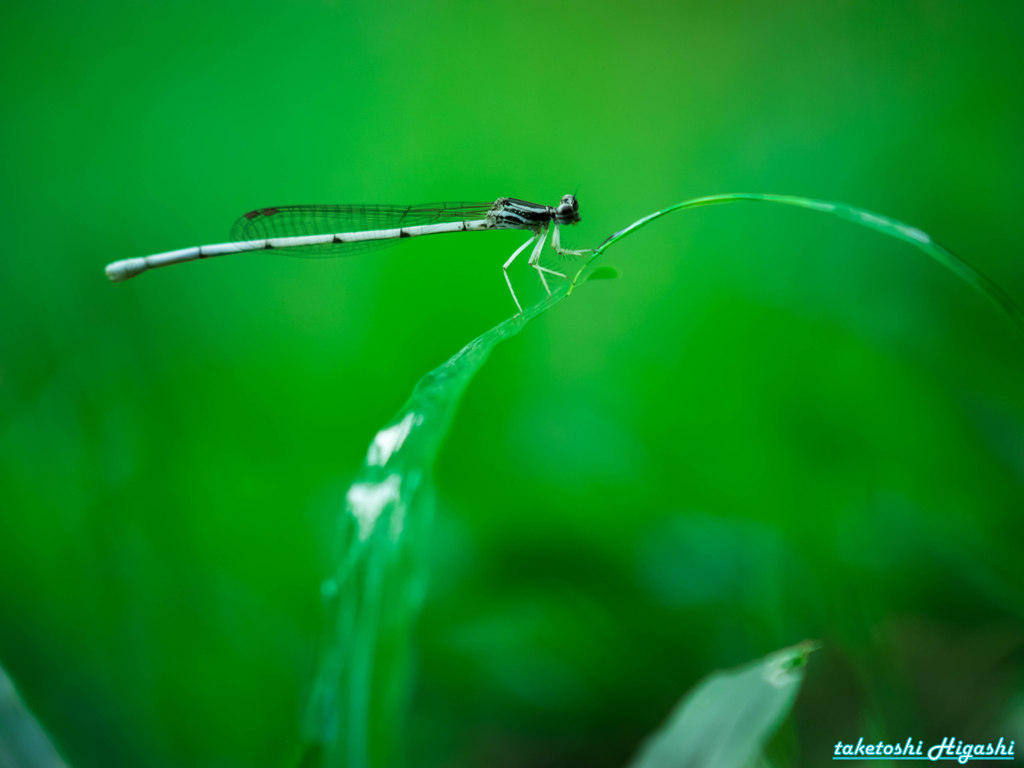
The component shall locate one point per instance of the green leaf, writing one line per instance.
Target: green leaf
(373, 593)
(726, 720)
(374, 590)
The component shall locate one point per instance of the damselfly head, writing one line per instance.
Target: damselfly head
(568, 211)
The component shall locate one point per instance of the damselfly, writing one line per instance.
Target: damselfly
(331, 230)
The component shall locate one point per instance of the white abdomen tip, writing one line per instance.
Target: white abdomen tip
(122, 270)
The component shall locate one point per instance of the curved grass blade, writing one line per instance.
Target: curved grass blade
(726, 720)
(883, 224)
(374, 590)
(375, 587)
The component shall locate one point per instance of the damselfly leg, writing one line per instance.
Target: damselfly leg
(507, 264)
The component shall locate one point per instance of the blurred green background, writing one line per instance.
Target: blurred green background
(774, 426)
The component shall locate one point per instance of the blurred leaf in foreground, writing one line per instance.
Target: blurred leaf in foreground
(727, 719)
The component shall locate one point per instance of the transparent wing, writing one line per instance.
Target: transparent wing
(299, 220)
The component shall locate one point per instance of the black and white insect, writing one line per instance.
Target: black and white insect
(331, 230)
